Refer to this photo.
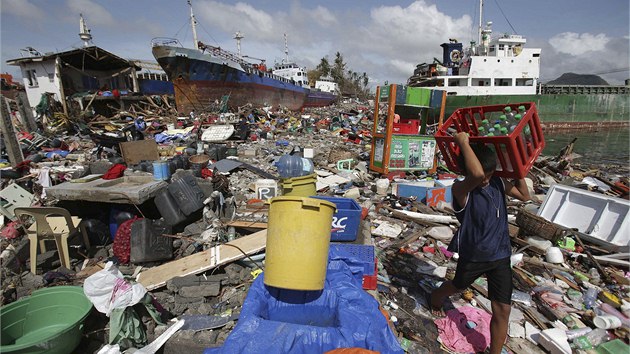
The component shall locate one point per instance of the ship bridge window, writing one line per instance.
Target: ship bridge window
(501, 47)
(299, 73)
(524, 82)
(480, 82)
(536, 55)
(503, 82)
(453, 82)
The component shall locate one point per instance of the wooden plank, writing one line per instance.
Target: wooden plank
(248, 224)
(135, 151)
(8, 132)
(156, 277)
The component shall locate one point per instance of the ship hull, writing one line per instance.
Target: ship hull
(320, 99)
(200, 80)
(561, 110)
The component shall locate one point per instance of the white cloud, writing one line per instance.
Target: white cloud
(93, 13)
(255, 24)
(322, 16)
(22, 8)
(578, 44)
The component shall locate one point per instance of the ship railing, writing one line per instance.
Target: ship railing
(160, 41)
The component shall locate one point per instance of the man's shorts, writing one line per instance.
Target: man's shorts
(499, 275)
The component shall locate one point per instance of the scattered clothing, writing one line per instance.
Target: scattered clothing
(455, 334)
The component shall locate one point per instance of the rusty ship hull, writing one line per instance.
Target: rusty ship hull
(200, 79)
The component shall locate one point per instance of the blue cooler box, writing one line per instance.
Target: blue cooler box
(345, 224)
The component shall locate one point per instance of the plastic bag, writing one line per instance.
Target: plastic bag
(107, 289)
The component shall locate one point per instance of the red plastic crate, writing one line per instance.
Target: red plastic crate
(515, 154)
(407, 126)
(370, 281)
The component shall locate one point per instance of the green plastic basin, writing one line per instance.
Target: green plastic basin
(48, 321)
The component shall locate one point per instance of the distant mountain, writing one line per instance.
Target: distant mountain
(578, 79)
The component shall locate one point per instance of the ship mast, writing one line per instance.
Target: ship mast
(238, 36)
(286, 49)
(193, 23)
(84, 32)
(480, 20)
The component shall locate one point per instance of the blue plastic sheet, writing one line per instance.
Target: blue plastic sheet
(342, 315)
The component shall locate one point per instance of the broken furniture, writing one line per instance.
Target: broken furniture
(15, 196)
(123, 190)
(51, 223)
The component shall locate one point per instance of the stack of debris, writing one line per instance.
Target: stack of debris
(175, 215)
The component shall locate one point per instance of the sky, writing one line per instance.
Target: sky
(385, 39)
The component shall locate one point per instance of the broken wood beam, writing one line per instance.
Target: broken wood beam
(248, 224)
(157, 277)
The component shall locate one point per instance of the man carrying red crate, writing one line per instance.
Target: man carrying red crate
(482, 241)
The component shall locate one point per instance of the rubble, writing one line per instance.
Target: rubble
(217, 227)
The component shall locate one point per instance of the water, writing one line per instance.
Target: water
(606, 146)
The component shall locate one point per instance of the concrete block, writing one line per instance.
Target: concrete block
(201, 291)
(193, 280)
(100, 167)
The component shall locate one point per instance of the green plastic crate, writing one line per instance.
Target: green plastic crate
(418, 96)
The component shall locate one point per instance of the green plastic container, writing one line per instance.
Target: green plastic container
(615, 346)
(48, 321)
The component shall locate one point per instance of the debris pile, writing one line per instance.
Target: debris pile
(174, 214)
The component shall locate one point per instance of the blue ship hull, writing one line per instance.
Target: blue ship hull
(200, 79)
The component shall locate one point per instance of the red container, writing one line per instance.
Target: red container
(516, 152)
(370, 281)
(407, 126)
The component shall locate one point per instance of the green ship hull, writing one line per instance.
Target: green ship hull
(560, 109)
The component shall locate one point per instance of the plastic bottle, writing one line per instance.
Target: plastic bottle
(590, 298)
(594, 276)
(503, 121)
(497, 129)
(482, 131)
(504, 131)
(578, 332)
(294, 166)
(592, 339)
(521, 110)
(508, 112)
(486, 124)
(517, 119)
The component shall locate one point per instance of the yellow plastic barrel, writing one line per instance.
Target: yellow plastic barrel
(303, 186)
(298, 237)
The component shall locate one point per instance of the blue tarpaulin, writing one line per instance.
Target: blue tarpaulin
(342, 315)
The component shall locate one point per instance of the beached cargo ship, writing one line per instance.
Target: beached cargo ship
(503, 70)
(203, 75)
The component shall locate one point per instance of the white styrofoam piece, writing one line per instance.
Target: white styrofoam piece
(599, 218)
(217, 133)
(555, 341)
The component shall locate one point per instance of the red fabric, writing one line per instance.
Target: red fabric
(115, 171)
(205, 173)
(122, 241)
(10, 230)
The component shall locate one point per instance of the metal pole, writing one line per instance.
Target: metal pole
(480, 20)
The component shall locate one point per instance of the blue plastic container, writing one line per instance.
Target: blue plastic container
(354, 255)
(346, 220)
(290, 166)
(161, 170)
